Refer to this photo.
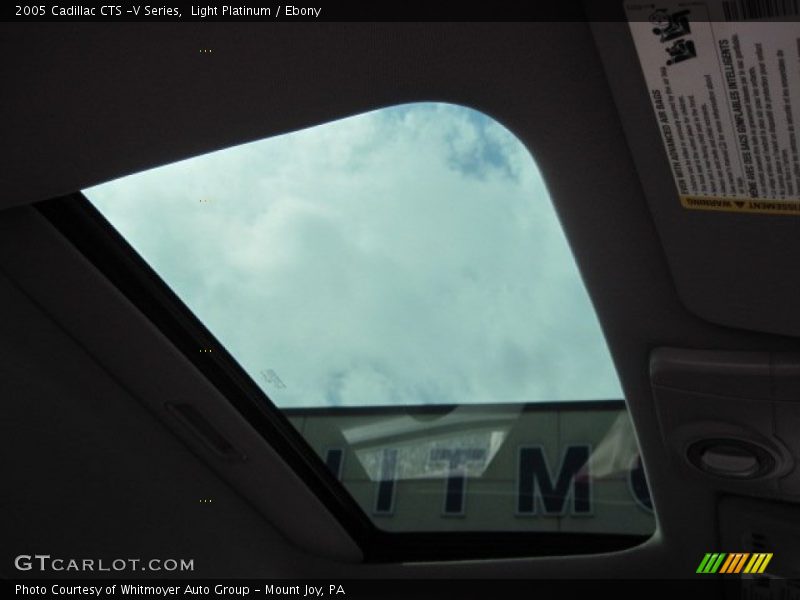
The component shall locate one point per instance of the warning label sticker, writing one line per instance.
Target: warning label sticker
(724, 83)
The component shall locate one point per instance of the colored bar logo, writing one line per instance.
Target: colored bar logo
(734, 562)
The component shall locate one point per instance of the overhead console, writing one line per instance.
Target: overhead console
(731, 419)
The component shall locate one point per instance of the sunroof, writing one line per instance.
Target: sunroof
(405, 256)
(399, 284)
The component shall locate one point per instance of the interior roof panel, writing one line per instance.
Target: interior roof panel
(95, 103)
(132, 96)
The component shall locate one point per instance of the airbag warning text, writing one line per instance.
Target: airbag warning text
(725, 96)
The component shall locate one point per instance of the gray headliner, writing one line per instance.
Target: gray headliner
(88, 103)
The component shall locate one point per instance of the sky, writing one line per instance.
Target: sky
(409, 255)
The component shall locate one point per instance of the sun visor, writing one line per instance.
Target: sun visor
(709, 97)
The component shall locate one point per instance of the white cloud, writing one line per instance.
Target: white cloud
(404, 256)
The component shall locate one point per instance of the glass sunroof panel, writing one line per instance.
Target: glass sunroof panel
(406, 256)
(368, 271)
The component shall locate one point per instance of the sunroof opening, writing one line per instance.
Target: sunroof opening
(399, 284)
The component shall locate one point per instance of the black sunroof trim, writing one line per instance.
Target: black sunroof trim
(86, 228)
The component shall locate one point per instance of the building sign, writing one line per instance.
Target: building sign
(553, 467)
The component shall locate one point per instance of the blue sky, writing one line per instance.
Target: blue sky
(405, 256)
